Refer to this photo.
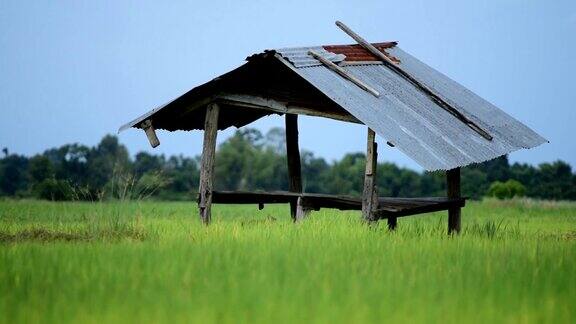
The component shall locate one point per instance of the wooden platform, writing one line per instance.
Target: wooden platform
(387, 206)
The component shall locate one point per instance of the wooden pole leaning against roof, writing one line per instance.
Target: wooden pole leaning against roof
(329, 64)
(422, 87)
(207, 164)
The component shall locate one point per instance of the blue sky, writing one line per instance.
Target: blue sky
(72, 71)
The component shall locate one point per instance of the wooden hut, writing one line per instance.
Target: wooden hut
(416, 109)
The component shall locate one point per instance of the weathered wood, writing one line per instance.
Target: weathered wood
(454, 213)
(329, 64)
(293, 157)
(150, 133)
(370, 192)
(249, 197)
(422, 87)
(387, 206)
(395, 209)
(301, 210)
(207, 163)
(279, 107)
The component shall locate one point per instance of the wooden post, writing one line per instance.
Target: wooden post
(454, 213)
(301, 210)
(207, 164)
(370, 193)
(392, 222)
(293, 157)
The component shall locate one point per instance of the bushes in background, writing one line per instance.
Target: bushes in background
(250, 160)
(507, 190)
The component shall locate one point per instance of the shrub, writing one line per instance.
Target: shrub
(53, 189)
(506, 190)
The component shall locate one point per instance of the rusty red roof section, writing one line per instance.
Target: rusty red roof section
(357, 53)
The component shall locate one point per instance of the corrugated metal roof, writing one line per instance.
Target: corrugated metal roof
(407, 118)
(403, 115)
(299, 57)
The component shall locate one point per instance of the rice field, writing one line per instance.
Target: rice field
(144, 261)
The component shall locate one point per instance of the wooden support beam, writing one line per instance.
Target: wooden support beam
(419, 85)
(370, 192)
(293, 157)
(207, 163)
(345, 74)
(280, 107)
(454, 213)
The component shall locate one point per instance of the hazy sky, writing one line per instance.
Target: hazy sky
(72, 71)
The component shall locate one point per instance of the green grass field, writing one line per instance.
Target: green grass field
(153, 262)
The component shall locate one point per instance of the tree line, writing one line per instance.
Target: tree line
(251, 160)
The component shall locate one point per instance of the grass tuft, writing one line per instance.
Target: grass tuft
(39, 235)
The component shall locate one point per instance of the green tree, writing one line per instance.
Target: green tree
(275, 139)
(554, 181)
(145, 162)
(433, 184)
(39, 169)
(183, 175)
(497, 169)
(108, 159)
(395, 182)
(248, 161)
(13, 174)
(474, 183)
(235, 160)
(347, 175)
(314, 173)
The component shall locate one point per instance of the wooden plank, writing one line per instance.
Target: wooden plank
(150, 133)
(207, 163)
(422, 87)
(454, 213)
(383, 213)
(388, 206)
(279, 107)
(293, 159)
(315, 201)
(345, 74)
(243, 197)
(370, 192)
